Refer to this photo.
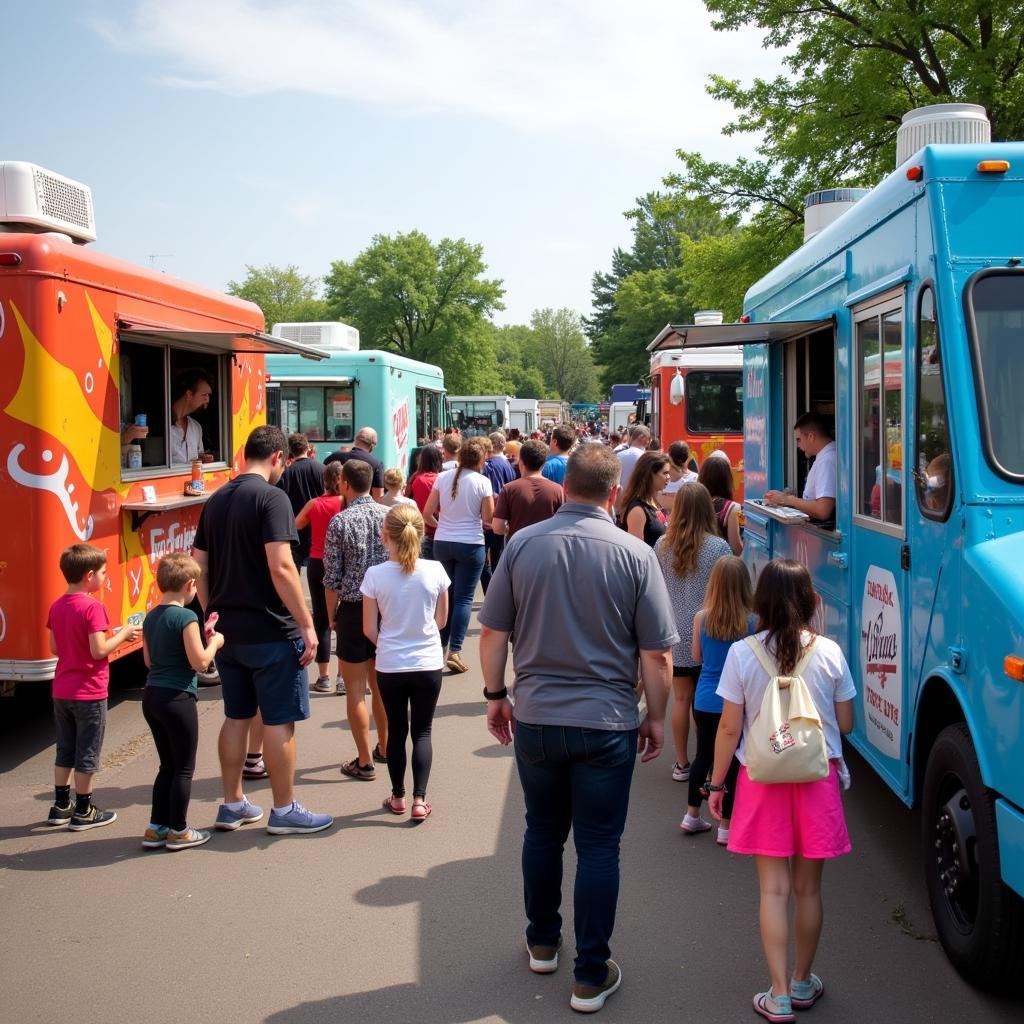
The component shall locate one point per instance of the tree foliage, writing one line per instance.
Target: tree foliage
(561, 353)
(427, 301)
(284, 295)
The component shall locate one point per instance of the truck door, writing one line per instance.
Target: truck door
(880, 548)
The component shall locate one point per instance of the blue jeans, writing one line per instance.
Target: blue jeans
(578, 778)
(463, 563)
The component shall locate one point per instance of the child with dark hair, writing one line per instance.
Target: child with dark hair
(175, 651)
(78, 627)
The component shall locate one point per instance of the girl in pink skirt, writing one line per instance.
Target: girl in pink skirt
(790, 828)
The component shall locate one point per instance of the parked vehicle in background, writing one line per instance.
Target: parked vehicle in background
(524, 415)
(902, 319)
(402, 399)
(479, 415)
(93, 347)
(552, 411)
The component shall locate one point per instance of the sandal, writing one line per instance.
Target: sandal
(392, 804)
(420, 811)
(255, 769)
(354, 770)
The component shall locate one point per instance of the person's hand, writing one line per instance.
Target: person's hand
(715, 803)
(129, 634)
(500, 723)
(651, 739)
(775, 497)
(309, 639)
(215, 638)
(134, 432)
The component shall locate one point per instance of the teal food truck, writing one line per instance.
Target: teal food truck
(902, 321)
(402, 399)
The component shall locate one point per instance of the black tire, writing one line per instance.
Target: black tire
(980, 921)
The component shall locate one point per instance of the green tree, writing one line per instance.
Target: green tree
(515, 350)
(853, 68)
(425, 300)
(284, 295)
(563, 356)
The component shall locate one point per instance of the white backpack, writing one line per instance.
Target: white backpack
(786, 741)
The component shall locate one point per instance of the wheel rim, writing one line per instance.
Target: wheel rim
(956, 854)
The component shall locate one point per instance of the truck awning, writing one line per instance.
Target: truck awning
(243, 342)
(720, 335)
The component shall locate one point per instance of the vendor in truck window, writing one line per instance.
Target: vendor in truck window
(814, 438)
(191, 392)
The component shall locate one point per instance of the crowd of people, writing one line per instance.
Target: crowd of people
(611, 569)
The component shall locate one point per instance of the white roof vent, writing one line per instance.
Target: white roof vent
(823, 207)
(956, 123)
(707, 317)
(33, 199)
(331, 334)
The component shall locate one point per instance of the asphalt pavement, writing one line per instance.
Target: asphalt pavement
(380, 920)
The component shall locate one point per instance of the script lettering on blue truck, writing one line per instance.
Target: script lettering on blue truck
(881, 660)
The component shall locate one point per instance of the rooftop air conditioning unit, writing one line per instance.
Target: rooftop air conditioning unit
(332, 334)
(827, 205)
(957, 123)
(33, 199)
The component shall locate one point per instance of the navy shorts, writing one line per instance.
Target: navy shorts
(80, 728)
(352, 645)
(266, 678)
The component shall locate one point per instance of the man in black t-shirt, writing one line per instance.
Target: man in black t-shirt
(302, 481)
(366, 441)
(243, 546)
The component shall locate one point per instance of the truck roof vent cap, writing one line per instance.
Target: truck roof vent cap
(821, 208)
(331, 334)
(950, 123)
(707, 317)
(36, 201)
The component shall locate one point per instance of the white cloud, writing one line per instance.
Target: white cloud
(632, 72)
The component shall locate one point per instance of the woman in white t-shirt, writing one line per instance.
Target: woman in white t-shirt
(791, 828)
(460, 503)
(405, 602)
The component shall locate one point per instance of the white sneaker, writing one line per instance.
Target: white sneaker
(339, 687)
(681, 772)
(723, 836)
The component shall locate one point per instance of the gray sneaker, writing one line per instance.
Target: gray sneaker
(297, 821)
(339, 687)
(323, 686)
(228, 820)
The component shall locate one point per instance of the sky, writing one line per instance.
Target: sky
(217, 134)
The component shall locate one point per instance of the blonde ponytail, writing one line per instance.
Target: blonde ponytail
(403, 526)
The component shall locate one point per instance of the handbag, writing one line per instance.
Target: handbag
(786, 741)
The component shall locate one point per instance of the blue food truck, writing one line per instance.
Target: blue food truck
(902, 320)
(402, 399)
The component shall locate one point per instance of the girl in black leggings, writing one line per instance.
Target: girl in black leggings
(405, 602)
(174, 651)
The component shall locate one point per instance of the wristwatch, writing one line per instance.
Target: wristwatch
(712, 788)
(496, 695)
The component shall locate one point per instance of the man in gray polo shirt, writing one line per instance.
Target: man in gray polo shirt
(585, 601)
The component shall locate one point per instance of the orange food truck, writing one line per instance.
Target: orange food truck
(697, 397)
(91, 347)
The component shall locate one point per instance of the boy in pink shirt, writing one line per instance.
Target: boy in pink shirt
(78, 626)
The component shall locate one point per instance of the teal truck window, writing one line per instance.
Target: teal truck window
(933, 476)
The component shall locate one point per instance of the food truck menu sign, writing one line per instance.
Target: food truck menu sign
(881, 660)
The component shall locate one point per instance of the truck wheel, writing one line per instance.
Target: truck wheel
(980, 920)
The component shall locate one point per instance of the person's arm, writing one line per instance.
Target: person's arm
(728, 738)
(102, 647)
(288, 585)
(844, 715)
(817, 508)
(199, 654)
(203, 583)
(145, 654)
(302, 519)
(698, 621)
(493, 658)
(487, 510)
(370, 627)
(441, 609)
(733, 531)
(430, 509)
(499, 526)
(53, 644)
(656, 676)
(635, 522)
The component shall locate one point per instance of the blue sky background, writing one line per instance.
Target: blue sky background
(220, 133)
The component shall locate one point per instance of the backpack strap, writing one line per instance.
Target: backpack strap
(805, 658)
(767, 661)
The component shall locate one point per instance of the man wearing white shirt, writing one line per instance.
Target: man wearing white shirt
(192, 392)
(814, 438)
(639, 439)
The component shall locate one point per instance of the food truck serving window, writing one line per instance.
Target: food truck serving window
(162, 387)
(995, 301)
(714, 401)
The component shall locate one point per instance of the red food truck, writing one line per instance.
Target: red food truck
(91, 348)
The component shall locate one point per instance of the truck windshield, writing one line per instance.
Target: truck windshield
(997, 307)
(714, 401)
